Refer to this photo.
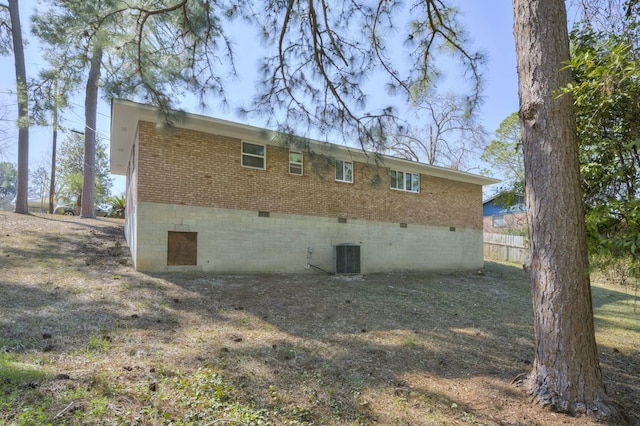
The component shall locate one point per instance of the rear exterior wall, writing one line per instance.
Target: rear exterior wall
(198, 169)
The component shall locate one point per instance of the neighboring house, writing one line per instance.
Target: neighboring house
(499, 217)
(217, 196)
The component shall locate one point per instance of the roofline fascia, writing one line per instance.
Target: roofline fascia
(206, 124)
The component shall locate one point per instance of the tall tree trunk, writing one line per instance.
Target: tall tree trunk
(22, 188)
(87, 208)
(566, 372)
(54, 148)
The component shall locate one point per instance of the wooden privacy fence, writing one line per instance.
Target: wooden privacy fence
(506, 248)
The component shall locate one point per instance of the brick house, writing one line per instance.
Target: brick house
(217, 196)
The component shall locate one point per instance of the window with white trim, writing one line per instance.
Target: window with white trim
(295, 163)
(404, 181)
(253, 155)
(344, 171)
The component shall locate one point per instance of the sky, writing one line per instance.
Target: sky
(489, 24)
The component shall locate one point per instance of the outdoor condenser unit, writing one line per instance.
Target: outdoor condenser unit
(347, 259)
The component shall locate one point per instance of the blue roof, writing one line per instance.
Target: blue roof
(494, 206)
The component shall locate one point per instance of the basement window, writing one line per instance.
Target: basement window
(182, 248)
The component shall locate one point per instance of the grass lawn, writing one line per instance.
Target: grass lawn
(84, 339)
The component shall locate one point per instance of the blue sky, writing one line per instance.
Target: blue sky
(489, 24)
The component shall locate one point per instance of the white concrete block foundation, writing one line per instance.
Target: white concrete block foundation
(239, 241)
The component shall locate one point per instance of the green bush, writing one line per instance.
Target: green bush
(116, 206)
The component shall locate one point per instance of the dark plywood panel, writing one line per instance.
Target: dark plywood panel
(182, 248)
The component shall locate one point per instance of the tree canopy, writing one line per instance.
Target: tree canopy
(153, 51)
(606, 90)
(440, 131)
(322, 57)
(8, 177)
(71, 166)
(504, 154)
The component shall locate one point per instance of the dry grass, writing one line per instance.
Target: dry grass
(84, 339)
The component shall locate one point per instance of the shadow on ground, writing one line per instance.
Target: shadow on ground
(383, 348)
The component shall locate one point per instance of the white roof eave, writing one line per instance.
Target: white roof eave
(125, 116)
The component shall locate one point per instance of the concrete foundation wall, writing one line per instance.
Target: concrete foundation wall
(240, 241)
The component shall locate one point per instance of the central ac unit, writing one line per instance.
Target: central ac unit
(347, 259)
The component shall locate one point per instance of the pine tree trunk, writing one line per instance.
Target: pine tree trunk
(22, 187)
(566, 372)
(54, 148)
(87, 208)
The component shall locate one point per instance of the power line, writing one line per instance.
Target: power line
(82, 106)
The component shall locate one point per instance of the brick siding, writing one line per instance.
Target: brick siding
(188, 167)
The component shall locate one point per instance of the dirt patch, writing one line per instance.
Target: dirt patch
(111, 345)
